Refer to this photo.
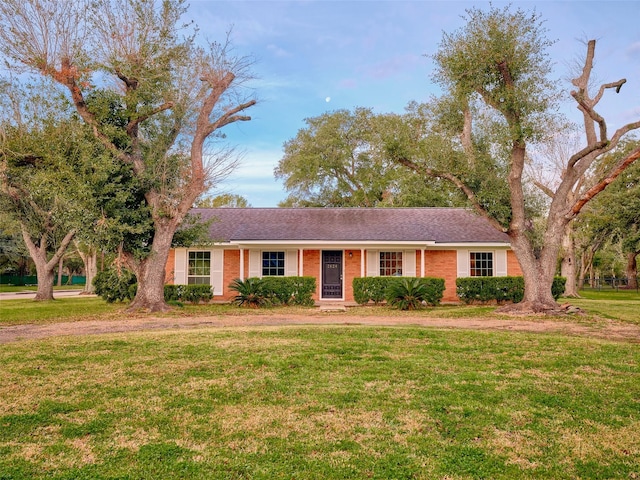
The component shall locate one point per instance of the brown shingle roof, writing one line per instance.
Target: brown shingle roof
(440, 225)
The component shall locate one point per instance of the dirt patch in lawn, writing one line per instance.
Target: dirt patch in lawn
(606, 329)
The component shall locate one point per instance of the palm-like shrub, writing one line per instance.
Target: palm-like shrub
(407, 294)
(251, 292)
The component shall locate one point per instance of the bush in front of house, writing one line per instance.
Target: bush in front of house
(257, 292)
(406, 294)
(377, 289)
(499, 289)
(119, 285)
(115, 285)
(188, 293)
(290, 290)
(370, 289)
(250, 292)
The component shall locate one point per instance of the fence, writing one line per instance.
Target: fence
(33, 280)
(610, 283)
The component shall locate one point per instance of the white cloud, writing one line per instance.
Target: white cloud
(254, 179)
(278, 51)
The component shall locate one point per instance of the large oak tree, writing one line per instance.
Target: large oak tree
(173, 94)
(339, 160)
(499, 99)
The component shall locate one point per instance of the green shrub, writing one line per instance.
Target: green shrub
(278, 289)
(499, 289)
(258, 292)
(188, 293)
(377, 289)
(303, 290)
(250, 292)
(406, 294)
(370, 289)
(115, 285)
(558, 287)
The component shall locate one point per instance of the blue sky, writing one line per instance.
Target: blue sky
(314, 57)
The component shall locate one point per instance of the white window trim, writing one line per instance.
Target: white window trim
(290, 262)
(499, 261)
(188, 276)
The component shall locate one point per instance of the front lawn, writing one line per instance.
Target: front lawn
(616, 305)
(13, 312)
(623, 306)
(320, 403)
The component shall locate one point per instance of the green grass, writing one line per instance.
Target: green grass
(320, 403)
(622, 305)
(21, 311)
(616, 305)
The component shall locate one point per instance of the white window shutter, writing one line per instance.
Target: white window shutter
(291, 263)
(255, 263)
(217, 267)
(180, 267)
(463, 263)
(409, 263)
(373, 263)
(501, 263)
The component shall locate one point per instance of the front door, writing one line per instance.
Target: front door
(332, 274)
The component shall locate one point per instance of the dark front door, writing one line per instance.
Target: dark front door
(332, 274)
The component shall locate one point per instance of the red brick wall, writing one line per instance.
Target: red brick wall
(311, 268)
(351, 271)
(443, 264)
(513, 265)
(231, 271)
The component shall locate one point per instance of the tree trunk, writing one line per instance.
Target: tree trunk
(45, 274)
(538, 276)
(584, 266)
(632, 271)
(150, 272)
(538, 272)
(90, 261)
(60, 267)
(568, 264)
(44, 268)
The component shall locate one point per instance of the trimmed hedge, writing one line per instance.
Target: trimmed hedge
(290, 290)
(119, 286)
(188, 293)
(376, 289)
(499, 289)
(256, 292)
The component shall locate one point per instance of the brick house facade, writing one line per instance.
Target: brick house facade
(336, 245)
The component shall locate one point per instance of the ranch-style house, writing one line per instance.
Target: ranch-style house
(336, 245)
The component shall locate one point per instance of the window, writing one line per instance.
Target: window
(390, 264)
(273, 264)
(481, 264)
(199, 268)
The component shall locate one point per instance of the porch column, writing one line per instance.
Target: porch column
(422, 262)
(362, 262)
(242, 264)
(301, 262)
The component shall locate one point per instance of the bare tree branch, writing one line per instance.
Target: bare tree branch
(601, 185)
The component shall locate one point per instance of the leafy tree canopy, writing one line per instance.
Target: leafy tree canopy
(341, 159)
